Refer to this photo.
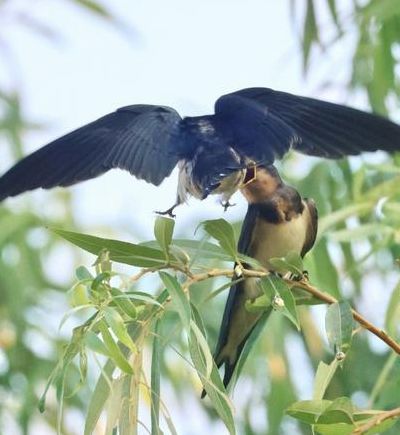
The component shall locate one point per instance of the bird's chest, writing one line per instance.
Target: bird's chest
(278, 239)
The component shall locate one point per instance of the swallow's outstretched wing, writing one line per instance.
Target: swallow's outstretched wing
(315, 127)
(141, 139)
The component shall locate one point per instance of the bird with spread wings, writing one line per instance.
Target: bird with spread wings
(233, 149)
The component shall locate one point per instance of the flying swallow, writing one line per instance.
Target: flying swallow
(215, 154)
(278, 221)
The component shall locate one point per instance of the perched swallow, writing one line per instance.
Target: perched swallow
(215, 153)
(278, 221)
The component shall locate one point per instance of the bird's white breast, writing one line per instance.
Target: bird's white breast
(277, 240)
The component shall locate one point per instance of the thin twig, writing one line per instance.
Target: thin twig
(378, 419)
(357, 316)
(303, 284)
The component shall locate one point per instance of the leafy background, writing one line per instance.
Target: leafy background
(350, 51)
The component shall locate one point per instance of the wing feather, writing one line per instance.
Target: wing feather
(311, 126)
(143, 139)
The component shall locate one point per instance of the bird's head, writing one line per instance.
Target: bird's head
(260, 182)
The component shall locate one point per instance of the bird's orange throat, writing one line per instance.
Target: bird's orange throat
(260, 184)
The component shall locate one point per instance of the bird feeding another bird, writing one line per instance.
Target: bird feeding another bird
(218, 154)
(215, 153)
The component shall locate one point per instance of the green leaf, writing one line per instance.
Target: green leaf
(212, 383)
(155, 380)
(120, 252)
(94, 343)
(334, 429)
(200, 340)
(122, 300)
(113, 406)
(78, 296)
(222, 231)
(339, 325)
(113, 348)
(308, 411)
(291, 263)
(163, 230)
(261, 303)
(99, 397)
(339, 411)
(310, 33)
(95, 7)
(277, 286)
(323, 378)
(144, 297)
(179, 298)
(83, 274)
(117, 325)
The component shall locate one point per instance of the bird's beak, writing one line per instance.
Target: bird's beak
(250, 175)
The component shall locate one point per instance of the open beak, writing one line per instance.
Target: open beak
(250, 175)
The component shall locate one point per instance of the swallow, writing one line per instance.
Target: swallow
(278, 221)
(215, 154)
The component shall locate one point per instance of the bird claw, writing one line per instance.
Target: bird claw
(167, 212)
(227, 204)
(300, 277)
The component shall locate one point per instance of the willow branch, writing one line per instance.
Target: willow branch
(303, 284)
(377, 420)
(380, 333)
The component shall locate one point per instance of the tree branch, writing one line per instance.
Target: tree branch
(303, 284)
(378, 419)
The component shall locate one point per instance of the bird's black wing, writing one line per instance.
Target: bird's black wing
(317, 128)
(234, 297)
(142, 139)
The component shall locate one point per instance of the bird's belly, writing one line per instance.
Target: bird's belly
(277, 240)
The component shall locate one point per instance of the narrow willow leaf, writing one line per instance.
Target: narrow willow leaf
(212, 385)
(196, 248)
(291, 263)
(339, 325)
(94, 343)
(261, 303)
(203, 345)
(392, 320)
(144, 297)
(120, 252)
(341, 410)
(222, 231)
(155, 380)
(323, 378)
(163, 230)
(113, 348)
(95, 7)
(282, 290)
(125, 425)
(117, 325)
(310, 33)
(179, 298)
(99, 397)
(113, 406)
(123, 301)
(78, 296)
(83, 274)
(308, 411)
(334, 429)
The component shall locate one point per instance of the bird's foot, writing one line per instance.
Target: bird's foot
(167, 212)
(226, 205)
(299, 277)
